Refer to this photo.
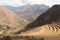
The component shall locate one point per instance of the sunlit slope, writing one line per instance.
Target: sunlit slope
(7, 17)
(52, 29)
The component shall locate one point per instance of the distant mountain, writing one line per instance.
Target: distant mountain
(10, 7)
(29, 11)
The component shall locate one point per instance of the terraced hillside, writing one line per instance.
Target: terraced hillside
(47, 24)
(9, 19)
(45, 27)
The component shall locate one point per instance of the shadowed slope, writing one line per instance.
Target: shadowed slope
(50, 16)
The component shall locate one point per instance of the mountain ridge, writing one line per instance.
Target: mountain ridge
(29, 11)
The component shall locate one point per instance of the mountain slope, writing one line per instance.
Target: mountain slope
(46, 22)
(12, 8)
(29, 11)
(7, 17)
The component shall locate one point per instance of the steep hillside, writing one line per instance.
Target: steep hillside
(46, 22)
(45, 27)
(8, 19)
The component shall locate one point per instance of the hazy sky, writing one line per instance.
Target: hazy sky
(24, 2)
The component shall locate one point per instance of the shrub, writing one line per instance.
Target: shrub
(6, 38)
